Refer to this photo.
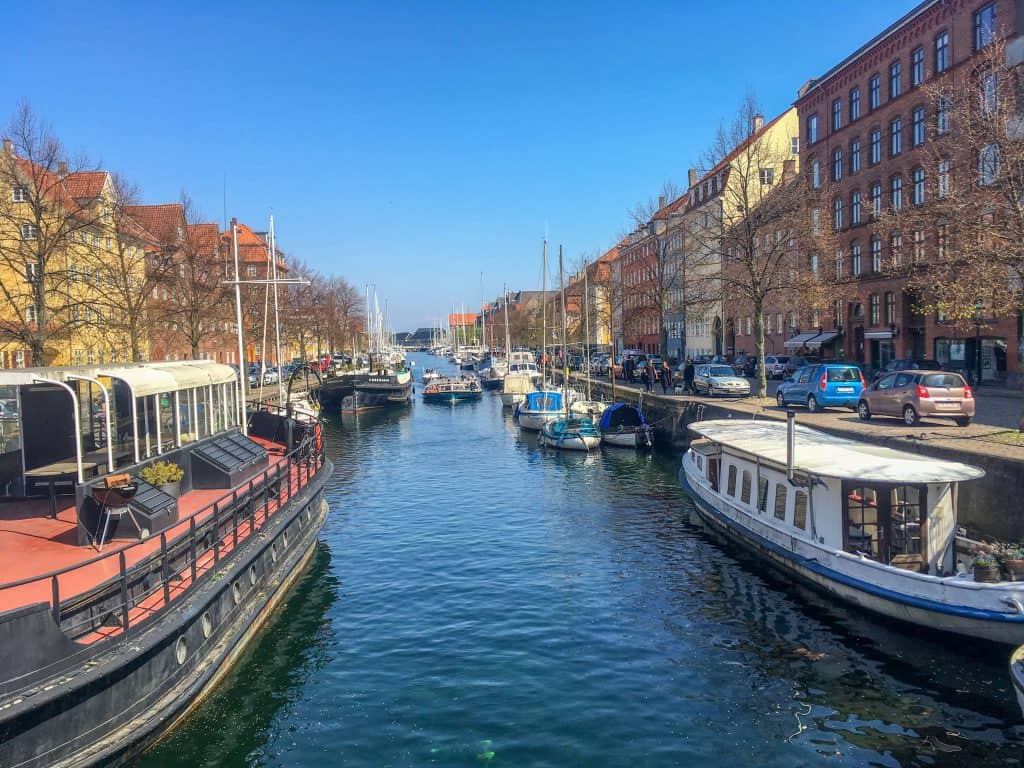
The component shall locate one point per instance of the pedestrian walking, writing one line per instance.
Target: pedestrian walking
(627, 369)
(645, 377)
(688, 376)
(666, 376)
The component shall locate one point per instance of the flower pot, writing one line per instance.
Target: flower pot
(1014, 569)
(172, 489)
(986, 573)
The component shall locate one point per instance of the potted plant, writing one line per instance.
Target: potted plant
(986, 567)
(1012, 557)
(165, 475)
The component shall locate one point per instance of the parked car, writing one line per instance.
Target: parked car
(575, 362)
(796, 362)
(719, 379)
(821, 386)
(906, 364)
(271, 376)
(913, 394)
(740, 361)
(775, 366)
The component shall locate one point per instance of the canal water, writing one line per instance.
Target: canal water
(480, 601)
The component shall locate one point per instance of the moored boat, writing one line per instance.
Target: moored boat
(121, 604)
(538, 408)
(430, 374)
(1017, 675)
(451, 391)
(624, 425)
(570, 434)
(873, 526)
(384, 388)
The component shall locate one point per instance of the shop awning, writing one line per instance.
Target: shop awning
(887, 334)
(800, 340)
(825, 337)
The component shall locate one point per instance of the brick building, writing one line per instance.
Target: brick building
(864, 128)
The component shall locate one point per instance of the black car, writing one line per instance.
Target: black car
(796, 362)
(906, 364)
(745, 364)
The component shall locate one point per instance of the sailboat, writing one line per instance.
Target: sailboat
(588, 407)
(571, 432)
(388, 382)
(540, 407)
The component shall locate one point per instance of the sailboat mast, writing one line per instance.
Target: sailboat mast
(565, 366)
(243, 370)
(508, 338)
(483, 315)
(277, 315)
(544, 313)
(586, 322)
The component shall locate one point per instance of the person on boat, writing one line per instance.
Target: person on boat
(666, 376)
(688, 376)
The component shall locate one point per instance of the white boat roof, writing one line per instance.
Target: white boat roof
(825, 455)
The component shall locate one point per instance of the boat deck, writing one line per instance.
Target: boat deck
(32, 543)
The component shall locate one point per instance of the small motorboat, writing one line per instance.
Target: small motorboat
(451, 391)
(571, 434)
(430, 374)
(538, 408)
(624, 424)
(1017, 675)
(590, 409)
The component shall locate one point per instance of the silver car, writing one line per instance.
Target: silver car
(719, 379)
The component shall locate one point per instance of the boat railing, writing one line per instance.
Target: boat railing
(138, 582)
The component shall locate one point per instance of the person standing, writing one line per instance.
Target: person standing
(666, 376)
(688, 376)
(645, 377)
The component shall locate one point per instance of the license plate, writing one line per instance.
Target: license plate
(844, 389)
(947, 406)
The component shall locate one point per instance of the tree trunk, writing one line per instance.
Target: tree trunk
(762, 380)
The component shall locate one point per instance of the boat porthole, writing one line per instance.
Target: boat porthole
(252, 575)
(236, 593)
(207, 624)
(273, 552)
(181, 650)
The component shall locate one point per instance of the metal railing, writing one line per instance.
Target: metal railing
(126, 595)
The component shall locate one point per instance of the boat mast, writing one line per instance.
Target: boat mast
(565, 366)
(243, 371)
(483, 315)
(277, 316)
(586, 323)
(508, 341)
(544, 314)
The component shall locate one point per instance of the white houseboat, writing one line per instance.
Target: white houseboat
(874, 526)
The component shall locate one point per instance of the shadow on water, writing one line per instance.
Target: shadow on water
(235, 724)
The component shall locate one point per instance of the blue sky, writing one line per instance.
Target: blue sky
(416, 145)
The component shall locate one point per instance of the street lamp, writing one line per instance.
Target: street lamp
(977, 317)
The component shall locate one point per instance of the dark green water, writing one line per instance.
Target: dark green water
(479, 601)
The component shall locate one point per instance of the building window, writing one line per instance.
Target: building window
(942, 115)
(896, 192)
(989, 93)
(984, 26)
(837, 114)
(988, 165)
(876, 146)
(918, 252)
(874, 92)
(780, 501)
(32, 271)
(941, 239)
(29, 231)
(890, 307)
(794, 145)
(917, 66)
(941, 52)
(896, 248)
(876, 199)
(855, 259)
(815, 221)
(812, 129)
(876, 254)
(942, 187)
(855, 156)
(854, 104)
(767, 176)
(874, 309)
(778, 322)
(839, 263)
(814, 262)
(855, 208)
(30, 313)
(837, 213)
(895, 137)
(895, 80)
(815, 174)
(19, 193)
(918, 193)
(918, 125)
(837, 164)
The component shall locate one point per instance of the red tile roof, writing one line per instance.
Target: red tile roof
(85, 184)
(252, 248)
(462, 318)
(205, 237)
(163, 221)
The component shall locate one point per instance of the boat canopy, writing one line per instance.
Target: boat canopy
(826, 455)
(543, 401)
(621, 415)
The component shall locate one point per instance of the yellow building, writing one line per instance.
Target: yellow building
(71, 265)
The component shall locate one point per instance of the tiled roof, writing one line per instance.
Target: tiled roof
(163, 221)
(66, 191)
(85, 184)
(727, 160)
(462, 318)
(672, 206)
(205, 237)
(252, 248)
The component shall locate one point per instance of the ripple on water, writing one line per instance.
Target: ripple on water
(487, 601)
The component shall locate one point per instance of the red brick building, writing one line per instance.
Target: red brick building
(864, 128)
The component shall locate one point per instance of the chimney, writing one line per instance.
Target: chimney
(756, 123)
(8, 146)
(691, 177)
(661, 202)
(62, 168)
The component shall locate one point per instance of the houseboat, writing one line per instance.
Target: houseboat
(123, 603)
(875, 527)
(450, 391)
(382, 388)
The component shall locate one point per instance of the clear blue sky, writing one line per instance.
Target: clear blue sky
(416, 145)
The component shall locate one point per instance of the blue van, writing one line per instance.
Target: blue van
(821, 386)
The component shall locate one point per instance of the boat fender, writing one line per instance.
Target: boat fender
(318, 435)
(1014, 603)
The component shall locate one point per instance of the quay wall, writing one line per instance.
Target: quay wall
(990, 507)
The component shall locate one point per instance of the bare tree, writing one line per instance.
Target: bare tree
(46, 211)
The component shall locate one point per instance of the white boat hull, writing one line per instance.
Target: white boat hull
(1017, 676)
(508, 399)
(590, 408)
(627, 439)
(950, 604)
(535, 420)
(581, 443)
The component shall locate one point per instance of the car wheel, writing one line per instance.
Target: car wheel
(812, 404)
(863, 411)
(780, 400)
(963, 421)
(910, 417)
